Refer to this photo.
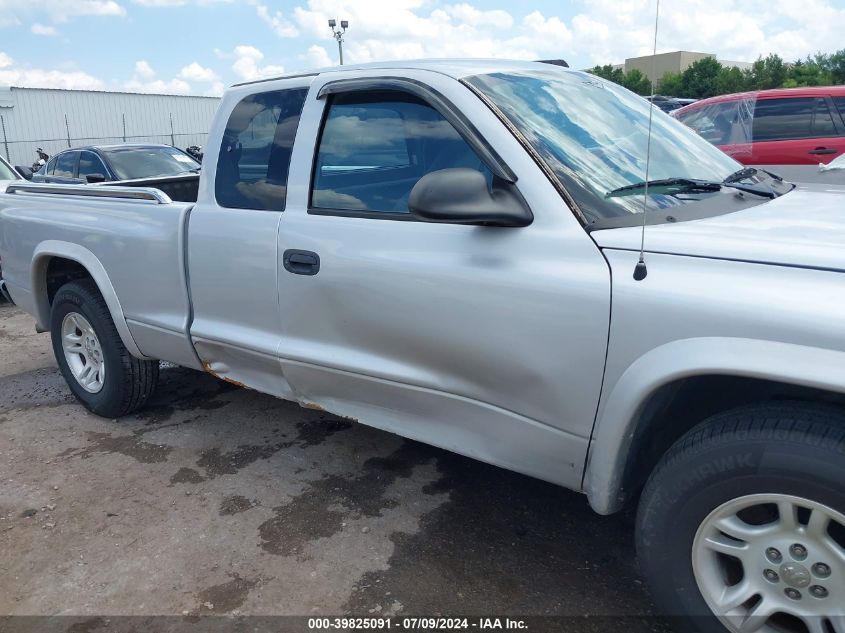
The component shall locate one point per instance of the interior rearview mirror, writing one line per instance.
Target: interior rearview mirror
(461, 196)
(24, 171)
(92, 178)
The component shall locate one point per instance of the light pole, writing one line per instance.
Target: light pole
(338, 35)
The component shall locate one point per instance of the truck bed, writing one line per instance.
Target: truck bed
(136, 233)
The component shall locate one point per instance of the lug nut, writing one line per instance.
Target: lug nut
(774, 555)
(798, 551)
(792, 594)
(821, 570)
(771, 575)
(818, 591)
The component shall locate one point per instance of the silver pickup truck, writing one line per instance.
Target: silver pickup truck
(451, 251)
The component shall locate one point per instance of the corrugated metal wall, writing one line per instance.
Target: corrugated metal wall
(35, 117)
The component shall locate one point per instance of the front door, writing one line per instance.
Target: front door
(487, 341)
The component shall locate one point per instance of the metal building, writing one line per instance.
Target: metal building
(57, 119)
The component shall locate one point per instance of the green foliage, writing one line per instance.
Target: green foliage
(633, 80)
(671, 84)
(616, 75)
(707, 77)
(637, 82)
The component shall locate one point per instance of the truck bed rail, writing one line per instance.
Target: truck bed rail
(147, 194)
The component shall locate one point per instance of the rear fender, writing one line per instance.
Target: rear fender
(41, 257)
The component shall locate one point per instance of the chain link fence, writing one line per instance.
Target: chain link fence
(22, 151)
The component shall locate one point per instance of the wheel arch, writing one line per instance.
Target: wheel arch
(667, 391)
(49, 255)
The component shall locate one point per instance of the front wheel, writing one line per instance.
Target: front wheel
(741, 527)
(97, 367)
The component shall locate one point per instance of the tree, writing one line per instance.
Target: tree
(766, 73)
(616, 75)
(730, 79)
(807, 72)
(701, 78)
(671, 85)
(637, 82)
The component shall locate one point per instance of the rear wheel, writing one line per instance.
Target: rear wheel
(98, 368)
(742, 524)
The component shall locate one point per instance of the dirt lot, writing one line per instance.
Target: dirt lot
(221, 500)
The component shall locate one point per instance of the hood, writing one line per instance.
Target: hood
(805, 227)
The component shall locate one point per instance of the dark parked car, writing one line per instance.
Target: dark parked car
(107, 163)
(161, 166)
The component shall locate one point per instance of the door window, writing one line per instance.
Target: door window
(375, 147)
(90, 163)
(794, 118)
(254, 159)
(65, 165)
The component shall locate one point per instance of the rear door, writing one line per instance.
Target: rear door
(796, 131)
(233, 232)
(483, 340)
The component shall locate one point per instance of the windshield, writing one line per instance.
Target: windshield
(130, 163)
(6, 172)
(593, 135)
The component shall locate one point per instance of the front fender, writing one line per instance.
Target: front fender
(619, 411)
(38, 282)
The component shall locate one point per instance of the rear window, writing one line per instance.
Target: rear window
(254, 158)
(792, 118)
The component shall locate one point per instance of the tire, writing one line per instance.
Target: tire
(778, 469)
(126, 383)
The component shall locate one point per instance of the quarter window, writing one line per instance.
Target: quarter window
(375, 147)
(254, 158)
(783, 119)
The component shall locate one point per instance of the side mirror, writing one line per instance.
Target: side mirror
(92, 178)
(460, 196)
(24, 171)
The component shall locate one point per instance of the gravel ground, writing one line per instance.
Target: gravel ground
(219, 500)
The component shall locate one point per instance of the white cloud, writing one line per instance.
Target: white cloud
(318, 57)
(407, 29)
(247, 63)
(13, 12)
(197, 73)
(277, 22)
(145, 80)
(40, 29)
(62, 11)
(144, 70)
(12, 74)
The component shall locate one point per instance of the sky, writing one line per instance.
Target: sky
(202, 46)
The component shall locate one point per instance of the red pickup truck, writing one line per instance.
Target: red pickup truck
(791, 126)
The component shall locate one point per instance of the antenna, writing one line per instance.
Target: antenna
(640, 270)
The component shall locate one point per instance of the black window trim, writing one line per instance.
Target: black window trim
(431, 98)
(838, 121)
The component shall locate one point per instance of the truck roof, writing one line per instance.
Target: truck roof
(456, 68)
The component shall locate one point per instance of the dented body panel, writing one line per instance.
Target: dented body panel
(529, 348)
